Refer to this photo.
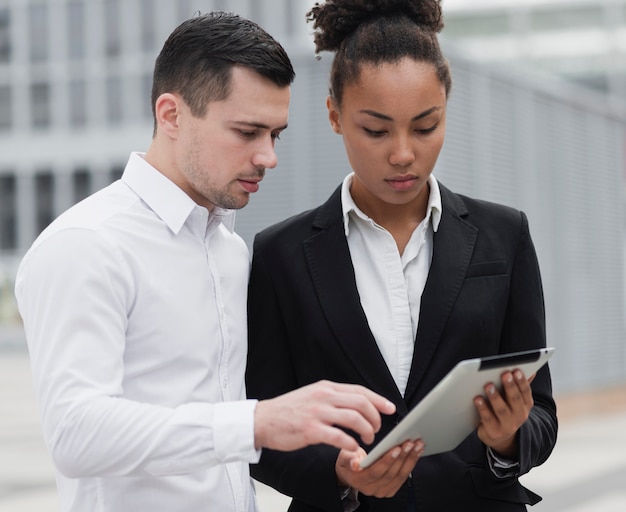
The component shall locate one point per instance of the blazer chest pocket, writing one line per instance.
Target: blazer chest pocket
(487, 268)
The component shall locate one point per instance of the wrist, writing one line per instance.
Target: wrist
(507, 449)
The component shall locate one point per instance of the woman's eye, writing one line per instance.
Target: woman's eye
(428, 130)
(374, 133)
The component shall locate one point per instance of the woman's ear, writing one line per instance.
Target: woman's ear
(167, 111)
(333, 115)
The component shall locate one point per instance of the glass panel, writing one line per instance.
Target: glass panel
(38, 32)
(6, 108)
(566, 18)
(148, 25)
(44, 197)
(78, 103)
(8, 213)
(146, 96)
(114, 99)
(81, 183)
(116, 173)
(185, 10)
(5, 35)
(112, 34)
(477, 25)
(40, 105)
(76, 29)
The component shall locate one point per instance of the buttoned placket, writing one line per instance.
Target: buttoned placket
(209, 223)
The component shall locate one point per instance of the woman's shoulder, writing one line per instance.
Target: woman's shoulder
(478, 210)
(303, 224)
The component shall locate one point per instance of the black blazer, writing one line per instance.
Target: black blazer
(483, 296)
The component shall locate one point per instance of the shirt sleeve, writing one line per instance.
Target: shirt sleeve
(349, 499)
(502, 467)
(74, 293)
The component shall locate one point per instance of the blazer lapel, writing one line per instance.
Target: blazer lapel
(453, 245)
(328, 258)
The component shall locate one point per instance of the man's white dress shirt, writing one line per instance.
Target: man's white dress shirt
(134, 307)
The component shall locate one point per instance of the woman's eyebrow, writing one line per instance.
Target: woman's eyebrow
(385, 117)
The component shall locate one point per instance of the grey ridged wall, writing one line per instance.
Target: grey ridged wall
(551, 150)
(554, 151)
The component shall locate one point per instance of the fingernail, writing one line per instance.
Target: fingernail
(419, 447)
(491, 390)
(408, 447)
(396, 453)
(519, 375)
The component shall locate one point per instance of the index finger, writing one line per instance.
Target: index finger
(380, 403)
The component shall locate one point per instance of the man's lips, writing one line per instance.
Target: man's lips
(250, 185)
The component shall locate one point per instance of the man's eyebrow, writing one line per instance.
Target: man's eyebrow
(385, 117)
(261, 126)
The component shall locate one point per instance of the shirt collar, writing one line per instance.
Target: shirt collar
(433, 209)
(165, 198)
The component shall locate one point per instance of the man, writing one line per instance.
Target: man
(134, 301)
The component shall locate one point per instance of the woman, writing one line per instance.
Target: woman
(394, 280)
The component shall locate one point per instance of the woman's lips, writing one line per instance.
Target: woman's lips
(402, 182)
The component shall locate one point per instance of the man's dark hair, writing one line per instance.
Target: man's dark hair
(198, 57)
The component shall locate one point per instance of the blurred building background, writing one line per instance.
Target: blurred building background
(537, 120)
(580, 40)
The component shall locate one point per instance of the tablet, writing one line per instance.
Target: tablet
(447, 415)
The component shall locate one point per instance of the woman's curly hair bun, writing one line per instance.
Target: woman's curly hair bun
(334, 20)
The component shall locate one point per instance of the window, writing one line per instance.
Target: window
(5, 35)
(78, 103)
(44, 199)
(76, 29)
(112, 34)
(114, 99)
(482, 25)
(256, 12)
(565, 18)
(220, 5)
(40, 105)
(146, 96)
(81, 184)
(38, 32)
(148, 25)
(185, 10)
(8, 213)
(6, 109)
(116, 172)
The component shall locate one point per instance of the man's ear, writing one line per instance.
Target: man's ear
(333, 114)
(167, 111)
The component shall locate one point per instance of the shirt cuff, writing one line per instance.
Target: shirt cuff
(349, 499)
(233, 432)
(502, 467)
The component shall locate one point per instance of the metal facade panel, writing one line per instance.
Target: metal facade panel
(513, 143)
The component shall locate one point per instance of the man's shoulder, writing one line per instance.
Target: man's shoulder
(92, 213)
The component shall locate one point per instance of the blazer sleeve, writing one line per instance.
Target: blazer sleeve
(307, 475)
(525, 320)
